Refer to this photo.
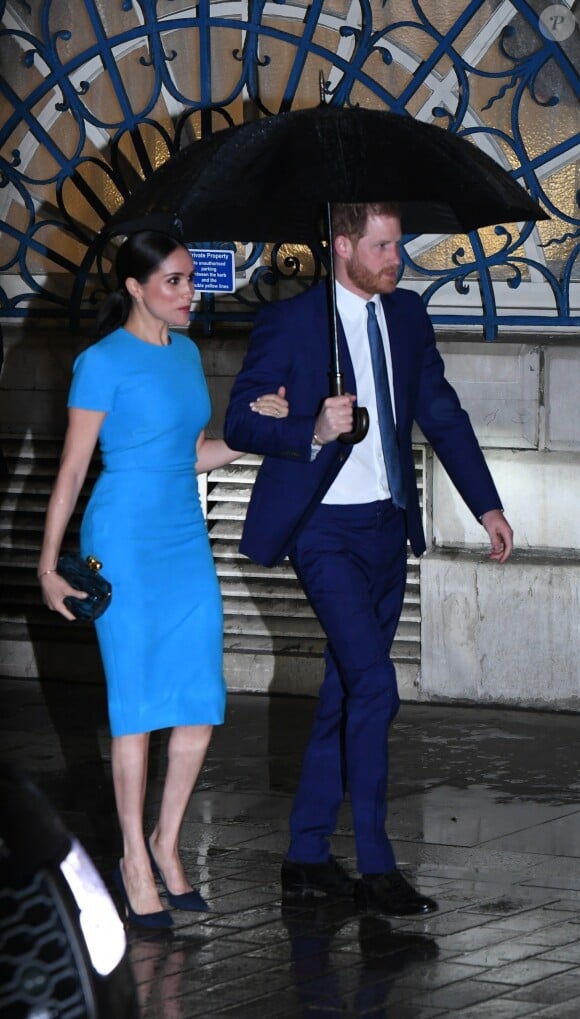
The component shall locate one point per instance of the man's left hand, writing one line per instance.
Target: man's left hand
(500, 533)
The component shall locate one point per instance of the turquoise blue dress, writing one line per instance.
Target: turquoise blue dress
(161, 637)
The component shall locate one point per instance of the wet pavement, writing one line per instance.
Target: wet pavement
(485, 817)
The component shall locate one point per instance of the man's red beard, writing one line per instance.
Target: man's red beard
(383, 282)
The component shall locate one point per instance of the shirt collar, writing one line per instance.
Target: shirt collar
(351, 305)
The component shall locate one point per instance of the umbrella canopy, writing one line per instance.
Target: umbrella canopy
(270, 180)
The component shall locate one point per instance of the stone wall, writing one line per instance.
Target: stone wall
(509, 634)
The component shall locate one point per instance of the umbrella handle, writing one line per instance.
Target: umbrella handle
(360, 427)
(360, 414)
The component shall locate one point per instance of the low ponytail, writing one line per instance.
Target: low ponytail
(113, 312)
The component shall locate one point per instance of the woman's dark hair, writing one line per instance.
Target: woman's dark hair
(139, 256)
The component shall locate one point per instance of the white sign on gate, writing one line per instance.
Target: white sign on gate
(213, 270)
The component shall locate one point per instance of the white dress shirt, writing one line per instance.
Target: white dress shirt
(363, 478)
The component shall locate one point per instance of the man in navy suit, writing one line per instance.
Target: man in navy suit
(343, 514)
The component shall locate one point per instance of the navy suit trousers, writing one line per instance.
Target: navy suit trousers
(352, 563)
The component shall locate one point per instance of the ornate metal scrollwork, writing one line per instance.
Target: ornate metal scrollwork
(89, 109)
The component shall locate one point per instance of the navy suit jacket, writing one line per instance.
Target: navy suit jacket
(290, 346)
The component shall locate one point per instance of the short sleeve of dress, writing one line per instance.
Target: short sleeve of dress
(94, 381)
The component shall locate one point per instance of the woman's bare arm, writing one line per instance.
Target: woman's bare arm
(79, 445)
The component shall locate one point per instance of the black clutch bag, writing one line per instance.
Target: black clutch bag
(84, 575)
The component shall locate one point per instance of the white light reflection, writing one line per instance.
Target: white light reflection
(100, 923)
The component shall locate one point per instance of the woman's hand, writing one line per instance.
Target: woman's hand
(213, 453)
(54, 589)
(274, 405)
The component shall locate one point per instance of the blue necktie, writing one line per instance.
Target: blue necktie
(385, 409)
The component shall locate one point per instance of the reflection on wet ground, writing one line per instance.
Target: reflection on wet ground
(485, 816)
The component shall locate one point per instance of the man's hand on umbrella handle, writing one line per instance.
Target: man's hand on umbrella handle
(500, 533)
(334, 418)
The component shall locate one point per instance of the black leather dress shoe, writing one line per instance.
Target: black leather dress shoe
(392, 895)
(328, 878)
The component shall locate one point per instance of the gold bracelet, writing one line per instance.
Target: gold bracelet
(317, 441)
(45, 573)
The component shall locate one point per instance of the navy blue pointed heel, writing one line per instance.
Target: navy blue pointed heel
(192, 901)
(152, 921)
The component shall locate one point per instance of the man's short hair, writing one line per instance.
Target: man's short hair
(351, 219)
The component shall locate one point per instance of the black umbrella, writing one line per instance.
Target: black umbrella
(275, 179)
(270, 179)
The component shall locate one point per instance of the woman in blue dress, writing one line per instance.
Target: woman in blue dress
(140, 391)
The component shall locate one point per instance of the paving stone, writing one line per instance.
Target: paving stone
(552, 989)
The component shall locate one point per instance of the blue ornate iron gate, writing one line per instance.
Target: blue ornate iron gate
(95, 94)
